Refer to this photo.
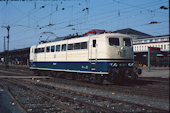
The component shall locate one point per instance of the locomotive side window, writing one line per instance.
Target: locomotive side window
(70, 46)
(39, 50)
(94, 43)
(57, 48)
(48, 49)
(114, 41)
(52, 48)
(127, 41)
(84, 45)
(77, 46)
(63, 47)
(36, 50)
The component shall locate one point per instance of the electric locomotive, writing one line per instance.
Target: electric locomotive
(99, 56)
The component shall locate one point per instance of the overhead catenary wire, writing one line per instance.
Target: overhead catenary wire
(61, 22)
(78, 20)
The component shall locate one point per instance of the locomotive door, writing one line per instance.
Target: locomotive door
(93, 55)
(34, 53)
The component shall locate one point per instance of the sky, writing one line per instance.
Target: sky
(36, 20)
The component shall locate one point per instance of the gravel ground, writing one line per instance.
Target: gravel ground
(150, 101)
(160, 103)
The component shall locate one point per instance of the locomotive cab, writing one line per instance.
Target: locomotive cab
(121, 57)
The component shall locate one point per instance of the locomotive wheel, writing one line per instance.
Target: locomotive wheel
(91, 77)
(114, 78)
(99, 79)
(134, 77)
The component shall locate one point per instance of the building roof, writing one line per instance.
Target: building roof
(132, 32)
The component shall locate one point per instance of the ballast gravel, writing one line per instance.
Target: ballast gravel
(150, 101)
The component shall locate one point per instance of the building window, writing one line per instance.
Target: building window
(168, 46)
(164, 46)
(151, 40)
(57, 47)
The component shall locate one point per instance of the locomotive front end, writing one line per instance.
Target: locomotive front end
(121, 65)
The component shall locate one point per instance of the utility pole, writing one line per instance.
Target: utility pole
(8, 28)
(6, 52)
(4, 44)
(149, 55)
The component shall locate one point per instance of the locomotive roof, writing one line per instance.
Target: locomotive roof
(85, 38)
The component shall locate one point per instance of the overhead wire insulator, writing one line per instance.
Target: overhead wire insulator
(154, 22)
(43, 6)
(70, 25)
(57, 8)
(163, 7)
(50, 24)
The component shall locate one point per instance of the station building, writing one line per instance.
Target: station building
(16, 57)
(141, 45)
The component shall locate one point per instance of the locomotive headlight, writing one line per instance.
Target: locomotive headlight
(130, 64)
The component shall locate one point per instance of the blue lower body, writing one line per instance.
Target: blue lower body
(72, 66)
(94, 67)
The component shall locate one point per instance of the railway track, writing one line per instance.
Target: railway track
(144, 86)
(153, 90)
(71, 105)
(33, 101)
(84, 102)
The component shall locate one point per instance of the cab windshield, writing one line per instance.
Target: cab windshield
(114, 42)
(127, 41)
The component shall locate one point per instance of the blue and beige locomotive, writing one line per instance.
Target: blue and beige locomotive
(100, 56)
